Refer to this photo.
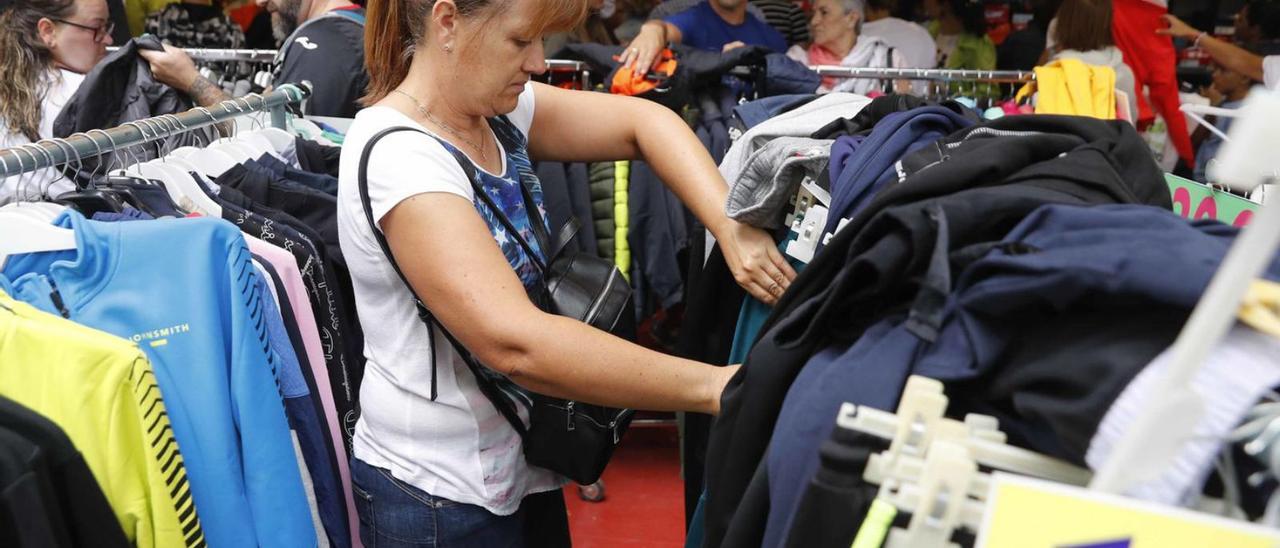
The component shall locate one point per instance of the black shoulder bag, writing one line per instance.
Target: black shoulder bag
(571, 438)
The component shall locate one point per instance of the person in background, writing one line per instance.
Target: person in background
(1232, 57)
(195, 24)
(959, 29)
(911, 40)
(787, 18)
(322, 42)
(1228, 90)
(1257, 27)
(1023, 48)
(46, 47)
(837, 40)
(713, 25)
(1082, 30)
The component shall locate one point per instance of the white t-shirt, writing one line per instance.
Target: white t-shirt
(911, 40)
(61, 85)
(457, 447)
(1271, 72)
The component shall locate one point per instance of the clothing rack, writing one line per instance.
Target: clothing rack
(267, 55)
(938, 75)
(209, 54)
(54, 152)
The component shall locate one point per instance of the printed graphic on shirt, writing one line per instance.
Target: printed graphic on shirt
(505, 192)
(306, 42)
(160, 337)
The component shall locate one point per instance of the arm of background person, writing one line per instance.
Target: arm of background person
(454, 266)
(571, 126)
(643, 51)
(174, 68)
(1228, 55)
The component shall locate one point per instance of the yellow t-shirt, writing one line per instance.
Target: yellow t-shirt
(102, 392)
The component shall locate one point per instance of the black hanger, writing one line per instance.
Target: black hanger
(91, 201)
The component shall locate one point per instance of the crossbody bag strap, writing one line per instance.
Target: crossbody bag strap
(493, 393)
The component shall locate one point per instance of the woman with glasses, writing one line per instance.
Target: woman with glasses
(46, 47)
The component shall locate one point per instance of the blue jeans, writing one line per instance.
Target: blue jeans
(398, 515)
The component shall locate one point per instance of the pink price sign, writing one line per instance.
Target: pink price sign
(1196, 201)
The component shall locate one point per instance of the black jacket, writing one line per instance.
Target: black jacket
(122, 89)
(78, 511)
(994, 175)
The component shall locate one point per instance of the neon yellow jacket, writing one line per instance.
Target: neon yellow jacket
(1068, 86)
(102, 392)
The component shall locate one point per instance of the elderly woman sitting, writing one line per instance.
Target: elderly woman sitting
(837, 40)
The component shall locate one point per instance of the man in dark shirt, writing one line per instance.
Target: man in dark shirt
(715, 25)
(322, 42)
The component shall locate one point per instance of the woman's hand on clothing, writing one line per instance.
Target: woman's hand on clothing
(755, 261)
(574, 126)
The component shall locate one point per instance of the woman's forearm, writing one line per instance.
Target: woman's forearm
(562, 357)
(665, 141)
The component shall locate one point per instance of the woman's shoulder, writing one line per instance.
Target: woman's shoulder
(373, 120)
(402, 147)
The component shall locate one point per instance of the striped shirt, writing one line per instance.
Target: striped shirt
(787, 17)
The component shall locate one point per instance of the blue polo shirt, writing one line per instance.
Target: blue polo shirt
(703, 28)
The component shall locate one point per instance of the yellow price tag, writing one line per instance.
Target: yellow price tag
(1029, 513)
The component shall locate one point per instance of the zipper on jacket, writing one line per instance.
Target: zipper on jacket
(57, 300)
(991, 132)
(569, 409)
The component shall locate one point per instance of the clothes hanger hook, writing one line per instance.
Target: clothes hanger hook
(53, 164)
(68, 151)
(138, 125)
(114, 150)
(174, 128)
(164, 134)
(27, 174)
(213, 120)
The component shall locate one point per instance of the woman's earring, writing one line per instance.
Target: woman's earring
(448, 48)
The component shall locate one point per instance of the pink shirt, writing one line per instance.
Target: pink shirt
(291, 278)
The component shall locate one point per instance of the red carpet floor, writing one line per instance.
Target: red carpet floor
(644, 504)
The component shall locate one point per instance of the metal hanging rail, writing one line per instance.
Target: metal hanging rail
(267, 55)
(938, 75)
(208, 54)
(97, 142)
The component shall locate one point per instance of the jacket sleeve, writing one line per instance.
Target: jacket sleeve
(273, 483)
(147, 472)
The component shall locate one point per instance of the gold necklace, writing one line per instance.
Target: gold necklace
(484, 156)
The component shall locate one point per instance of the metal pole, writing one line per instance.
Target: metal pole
(994, 76)
(81, 145)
